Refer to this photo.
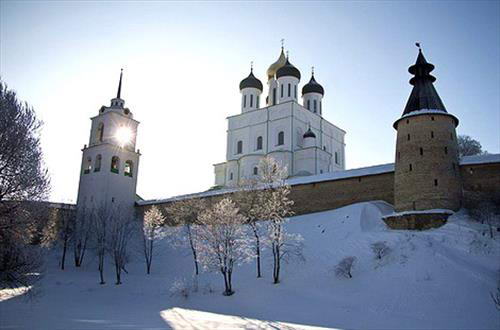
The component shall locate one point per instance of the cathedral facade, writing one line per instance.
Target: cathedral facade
(295, 134)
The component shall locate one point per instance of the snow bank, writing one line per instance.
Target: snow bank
(439, 278)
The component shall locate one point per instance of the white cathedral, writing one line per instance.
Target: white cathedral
(295, 134)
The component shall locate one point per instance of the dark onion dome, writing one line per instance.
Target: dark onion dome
(288, 70)
(309, 134)
(251, 81)
(313, 87)
(423, 95)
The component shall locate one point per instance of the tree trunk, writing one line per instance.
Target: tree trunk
(191, 243)
(101, 268)
(63, 259)
(257, 248)
(118, 269)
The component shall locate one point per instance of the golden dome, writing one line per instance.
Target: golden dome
(271, 72)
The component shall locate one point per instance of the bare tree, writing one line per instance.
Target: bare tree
(151, 232)
(22, 178)
(249, 199)
(345, 266)
(121, 228)
(484, 208)
(60, 229)
(380, 249)
(184, 213)
(276, 206)
(467, 146)
(81, 233)
(222, 240)
(101, 216)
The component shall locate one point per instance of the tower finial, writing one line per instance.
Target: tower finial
(418, 45)
(251, 66)
(287, 54)
(120, 85)
(312, 71)
(282, 43)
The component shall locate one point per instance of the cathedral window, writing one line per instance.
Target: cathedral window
(281, 138)
(88, 166)
(239, 147)
(259, 143)
(255, 170)
(115, 164)
(129, 167)
(251, 100)
(100, 132)
(231, 176)
(97, 165)
(244, 101)
(308, 104)
(315, 105)
(336, 157)
(289, 90)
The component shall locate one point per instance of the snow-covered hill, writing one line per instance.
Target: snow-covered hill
(440, 278)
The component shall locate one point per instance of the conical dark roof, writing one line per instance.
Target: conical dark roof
(288, 70)
(309, 133)
(313, 87)
(423, 95)
(251, 81)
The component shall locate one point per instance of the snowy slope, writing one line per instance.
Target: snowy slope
(434, 279)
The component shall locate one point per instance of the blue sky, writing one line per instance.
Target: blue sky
(183, 62)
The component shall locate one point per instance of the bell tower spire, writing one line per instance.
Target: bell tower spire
(120, 85)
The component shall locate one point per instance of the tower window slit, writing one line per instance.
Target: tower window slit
(308, 104)
(259, 143)
(408, 137)
(432, 134)
(446, 150)
(274, 96)
(257, 103)
(295, 91)
(239, 147)
(289, 90)
(315, 105)
(281, 138)
(251, 100)
(255, 171)
(432, 118)
(244, 100)
(435, 182)
(407, 121)
(421, 151)
(282, 90)
(411, 168)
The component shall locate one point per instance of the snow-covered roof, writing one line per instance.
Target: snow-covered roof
(330, 176)
(431, 211)
(480, 159)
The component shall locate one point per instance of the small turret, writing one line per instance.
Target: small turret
(309, 138)
(312, 95)
(250, 89)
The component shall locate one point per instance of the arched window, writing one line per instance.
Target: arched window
(257, 103)
(295, 91)
(281, 138)
(97, 165)
(244, 101)
(115, 164)
(289, 90)
(308, 104)
(239, 147)
(336, 157)
(251, 100)
(100, 132)
(259, 143)
(231, 176)
(274, 96)
(129, 168)
(315, 104)
(282, 90)
(255, 170)
(88, 166)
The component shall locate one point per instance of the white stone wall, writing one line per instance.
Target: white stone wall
(293, 120)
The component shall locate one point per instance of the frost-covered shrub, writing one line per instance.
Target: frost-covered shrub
(180, 288)
(381, 249)
(345, 266)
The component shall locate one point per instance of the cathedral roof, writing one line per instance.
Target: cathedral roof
(313, 87)
(251, 81)
(271, 71)
(423, 95)
(288, 70)
(309, 133)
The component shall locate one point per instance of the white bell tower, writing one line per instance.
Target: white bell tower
(110, 161)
